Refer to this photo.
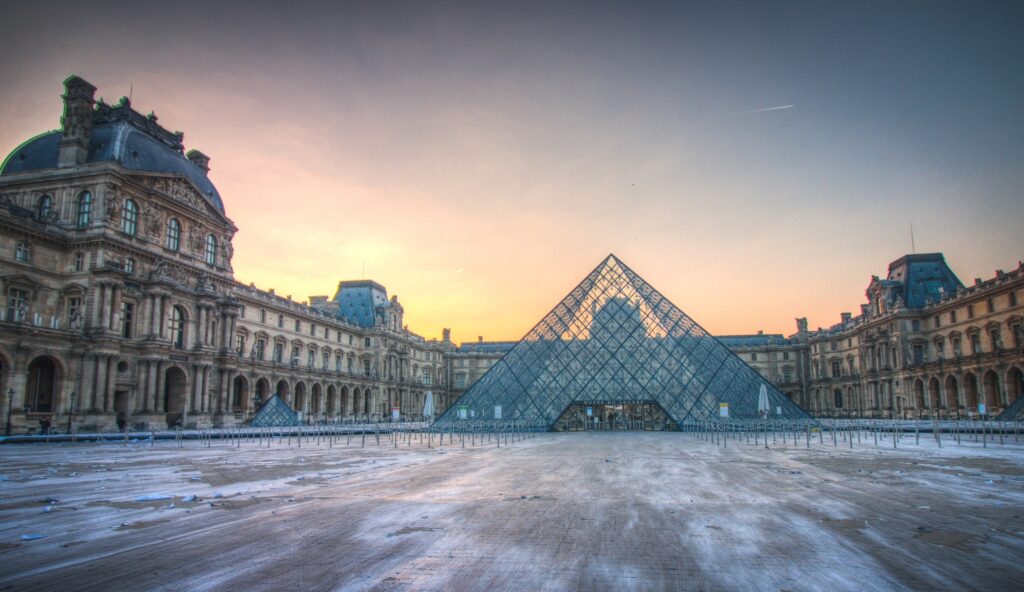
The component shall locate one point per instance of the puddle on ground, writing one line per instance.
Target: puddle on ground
(411, 529)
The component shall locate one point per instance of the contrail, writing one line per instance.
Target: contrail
(779, 108)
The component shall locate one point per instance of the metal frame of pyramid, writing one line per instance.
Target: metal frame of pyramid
(275, 413)
(615, 339)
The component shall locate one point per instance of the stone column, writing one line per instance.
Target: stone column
(161, 385)
(115, 309)
(108, 399)
(162, 317)
(101, 384)
(200, 338)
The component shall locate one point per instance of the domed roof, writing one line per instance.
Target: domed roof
(122, 135)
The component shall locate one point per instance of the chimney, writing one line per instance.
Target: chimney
(760, 332)
(446, 334)
(73, 149)
(801, 325)
(479, 338)
(845, 316)
(199, 159)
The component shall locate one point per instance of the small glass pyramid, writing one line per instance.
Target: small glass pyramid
(615, 340)
(275, 413)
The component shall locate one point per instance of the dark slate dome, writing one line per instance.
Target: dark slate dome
(122, 135)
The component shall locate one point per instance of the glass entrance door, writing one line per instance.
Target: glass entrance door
(634, 416)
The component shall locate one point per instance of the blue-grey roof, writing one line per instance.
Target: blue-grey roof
(924, 279)
(118, 137)
(359, 300)
(752, 340)
(487, 347)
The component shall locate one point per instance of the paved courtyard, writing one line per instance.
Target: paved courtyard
(585, 511)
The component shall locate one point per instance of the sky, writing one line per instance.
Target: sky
(754, 161)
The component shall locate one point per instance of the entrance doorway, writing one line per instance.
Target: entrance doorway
(175, 387)
(632, 416)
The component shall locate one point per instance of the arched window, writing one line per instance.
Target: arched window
(178, 327)
(129, 217)
(44, 207)
(211, 249)
(83, 215)
(173, 234)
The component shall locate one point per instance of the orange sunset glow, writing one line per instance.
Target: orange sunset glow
(479, 172)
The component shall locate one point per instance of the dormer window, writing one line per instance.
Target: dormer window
(129, 217)
(21, 251)
(211, 249)
(44, 207)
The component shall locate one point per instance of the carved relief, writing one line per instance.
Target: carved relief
(227, 248)
(195, 239)
(168, 271)
(179, 191)
(152, 220)
(113, 203)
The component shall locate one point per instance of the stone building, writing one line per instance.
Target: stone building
(120, 300)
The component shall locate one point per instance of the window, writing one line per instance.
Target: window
(263, 316)
(938, 321)
(351, 363)
(787, 374)
(1018, 334)
(44, 207)
(350, 340)
(259, 348)
(240, 343)
(278, 352)
(1013, 298)
(366, 366)
(325, 359)
(366, 342)
(915, 325)
(129, 265)
(991, 305)
(460, 381)
(833, 346)
(211, 249)
(177, 327)
(997, 338)
(918, 353)
(295, 354)
(836, 368)
(970, 311)
(173, 234)
(298, 326)
(21, 251)
(280, 321)
(940, 349)
(241, 311)
(17, 304)
(838, 396)
(428, 376)
(79, 261)
(312, 329)
(337, 363)
(952, 316)
(785, 355)
(975, 343)
(753, 357)
(129, 217)
(74, 313)
(956, 346)
(83, 214)
(127, 312)
(311, 358)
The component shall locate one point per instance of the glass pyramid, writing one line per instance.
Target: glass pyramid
(275, 413)
(614, 339)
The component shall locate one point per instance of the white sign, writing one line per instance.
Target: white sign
(723, 410)
(395, 414)
(778, 410)
(497, 412)
(590, 411)
(463, 412)
(981, 409)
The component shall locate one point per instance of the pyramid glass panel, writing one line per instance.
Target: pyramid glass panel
(616, 342)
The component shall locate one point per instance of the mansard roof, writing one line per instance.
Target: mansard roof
(124, 136)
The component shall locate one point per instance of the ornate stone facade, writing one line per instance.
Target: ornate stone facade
(120, 301)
